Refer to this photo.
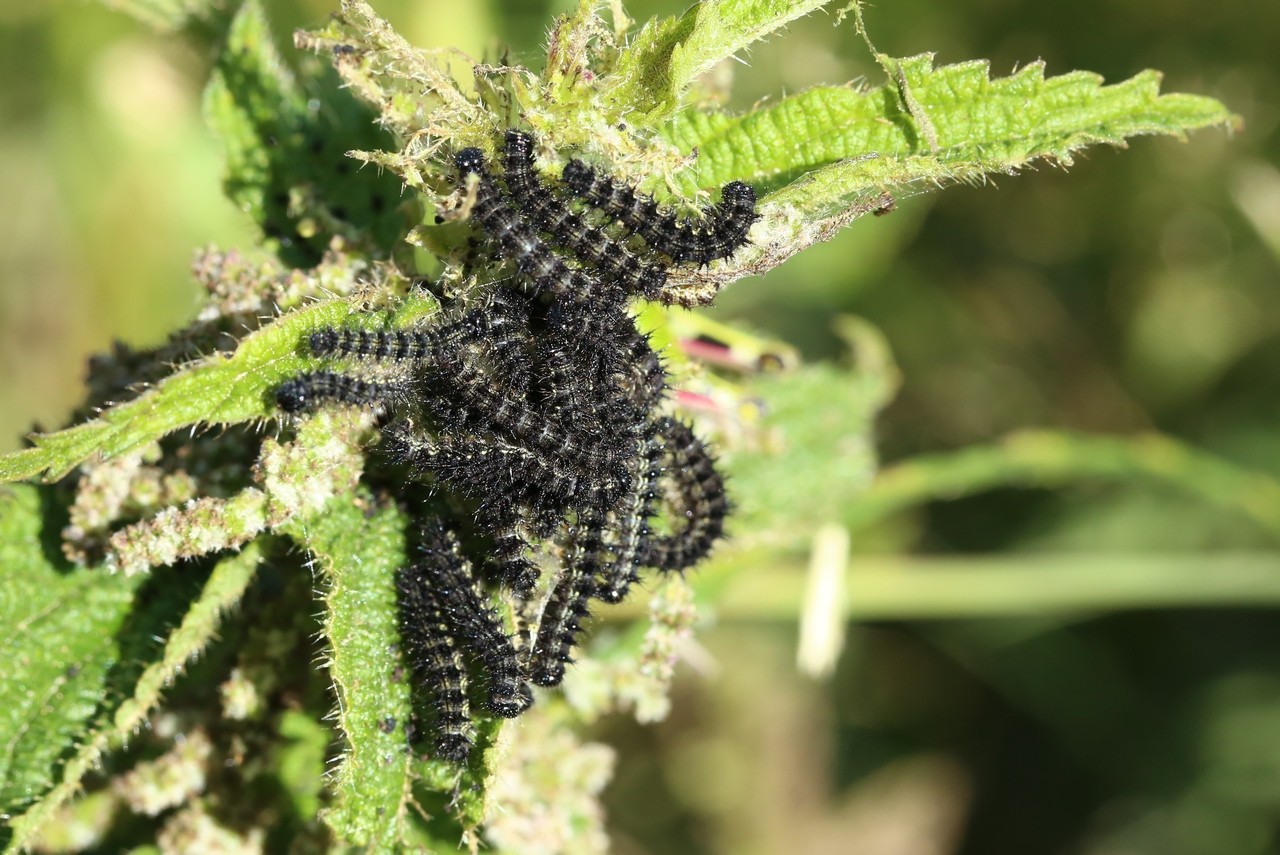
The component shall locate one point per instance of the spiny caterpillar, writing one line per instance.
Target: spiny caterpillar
(592, 246)
(718, 233)
(537, 419)
(435, 661)
(306, 391)
(517, 240)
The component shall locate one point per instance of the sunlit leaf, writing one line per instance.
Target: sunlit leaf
(219, 389)
(359, 550)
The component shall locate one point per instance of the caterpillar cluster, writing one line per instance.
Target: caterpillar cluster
(539, 418)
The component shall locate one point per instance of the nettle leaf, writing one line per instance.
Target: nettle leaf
(287, 142)
(218, 390)
(141, 690)
(62, 647)
(359, 548)
(819, 452)
(929, 124)
(833, 154)
(411, 88)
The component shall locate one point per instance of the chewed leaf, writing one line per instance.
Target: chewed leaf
(219, 389)
(411, 88)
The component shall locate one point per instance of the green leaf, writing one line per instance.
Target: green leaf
(931, 125)
(62, 641)
(820, 451)
(653, 74)
(286, 145)
(360, 550)
(220, 389)
(833, 154)
(223, 590)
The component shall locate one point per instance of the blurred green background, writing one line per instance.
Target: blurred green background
(1138, 291)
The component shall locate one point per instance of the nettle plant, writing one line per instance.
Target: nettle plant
(290, 582)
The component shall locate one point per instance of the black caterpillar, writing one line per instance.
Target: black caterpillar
(718, 233)
(537, 419)
(517, 240)
(611, 260)
(436, 662)
(307, 391)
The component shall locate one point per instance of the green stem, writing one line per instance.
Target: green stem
(901, 588)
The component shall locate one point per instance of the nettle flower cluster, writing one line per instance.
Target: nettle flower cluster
(537, 412)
